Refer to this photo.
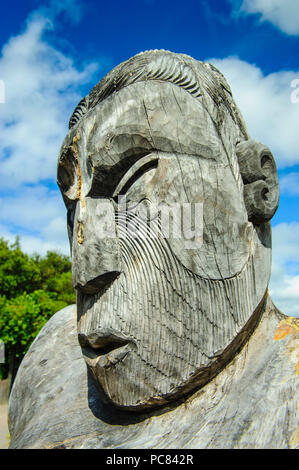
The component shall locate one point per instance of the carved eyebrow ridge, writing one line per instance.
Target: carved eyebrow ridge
(143, 165)
(200, 79)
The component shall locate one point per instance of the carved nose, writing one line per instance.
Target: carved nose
(95, 251)
(98, 283)
(103, 339)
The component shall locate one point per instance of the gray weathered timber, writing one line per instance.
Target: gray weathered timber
(260, 180)
(169, 205)
(252, 403)
(162, 130)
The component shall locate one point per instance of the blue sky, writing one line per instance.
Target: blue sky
(53, 52)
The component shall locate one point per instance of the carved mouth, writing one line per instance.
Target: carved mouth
(105, 348)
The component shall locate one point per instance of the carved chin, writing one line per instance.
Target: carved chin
(158, 330)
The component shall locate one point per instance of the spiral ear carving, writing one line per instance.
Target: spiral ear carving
(259, 174)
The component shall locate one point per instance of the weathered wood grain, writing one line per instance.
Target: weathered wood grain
(163, 128)
(251, 403)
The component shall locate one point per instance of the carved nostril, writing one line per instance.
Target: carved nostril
(98, 283)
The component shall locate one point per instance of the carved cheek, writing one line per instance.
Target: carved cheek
(226, 239)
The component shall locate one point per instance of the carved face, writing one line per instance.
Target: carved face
(156, 313)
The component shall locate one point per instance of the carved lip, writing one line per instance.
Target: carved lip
(105, 348)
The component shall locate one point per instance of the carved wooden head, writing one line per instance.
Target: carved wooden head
(164, 299)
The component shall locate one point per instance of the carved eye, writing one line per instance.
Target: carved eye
(259, 174)
(136, 171)
(66, 174)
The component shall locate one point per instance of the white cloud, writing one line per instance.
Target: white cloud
(31, 208)
(40, 243)
(284, 291)
(284, 287)
(39, 216)
(286, 242)
(36, 245)
(41, 86)
(265, 102)
(289, 184)
(284, 14)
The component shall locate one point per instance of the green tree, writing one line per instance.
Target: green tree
(18, 272)
(55, 270)
(20, 321)
(32, 289)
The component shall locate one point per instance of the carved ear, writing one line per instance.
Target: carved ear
(259, 174)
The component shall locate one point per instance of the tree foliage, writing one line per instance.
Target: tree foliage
(18, 272)
(32, 289)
